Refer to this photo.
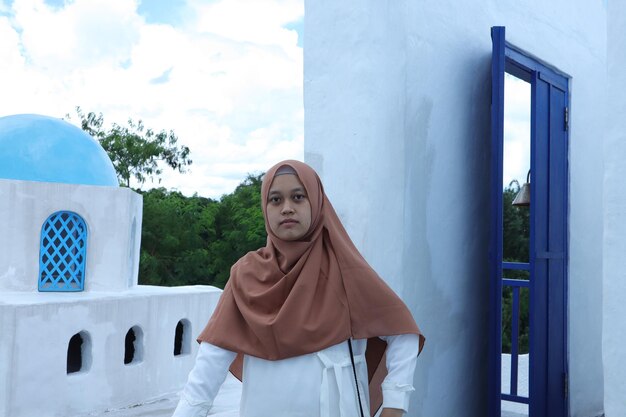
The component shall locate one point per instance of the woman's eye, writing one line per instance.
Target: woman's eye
(274, 200)
(299, 197)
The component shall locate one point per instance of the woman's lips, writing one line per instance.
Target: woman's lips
(288, 222)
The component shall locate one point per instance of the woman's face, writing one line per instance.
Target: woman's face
(288, 208)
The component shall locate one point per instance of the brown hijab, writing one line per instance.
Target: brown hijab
(291, 298)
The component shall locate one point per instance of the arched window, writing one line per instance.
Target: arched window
(62, 253)
(182, 338)
(79, 353)
(133, 346)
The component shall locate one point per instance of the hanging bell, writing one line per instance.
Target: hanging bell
(523, 196)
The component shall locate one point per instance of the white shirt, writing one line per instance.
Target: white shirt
(319, 384)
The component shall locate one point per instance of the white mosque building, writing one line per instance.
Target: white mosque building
(403, 105)
(77, 334)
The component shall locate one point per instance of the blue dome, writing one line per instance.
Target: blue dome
(41, 148)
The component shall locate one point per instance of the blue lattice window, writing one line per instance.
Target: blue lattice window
(62, 253)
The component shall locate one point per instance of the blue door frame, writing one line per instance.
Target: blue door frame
(548, 382)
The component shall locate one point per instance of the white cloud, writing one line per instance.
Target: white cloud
(10, 57)
(516, 130)
(83, 33)
(230, 86)
(254, 21)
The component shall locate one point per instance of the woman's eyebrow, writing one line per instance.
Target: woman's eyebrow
(294, 190)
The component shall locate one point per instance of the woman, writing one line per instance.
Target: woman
(305, 317)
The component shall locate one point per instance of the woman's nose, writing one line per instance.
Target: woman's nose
(287, 208)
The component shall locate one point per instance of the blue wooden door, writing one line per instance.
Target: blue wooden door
(496, 233)
(547, 266)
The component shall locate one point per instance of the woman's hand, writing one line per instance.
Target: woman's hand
(392, 412)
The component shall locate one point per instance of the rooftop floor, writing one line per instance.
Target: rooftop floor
(226, 403)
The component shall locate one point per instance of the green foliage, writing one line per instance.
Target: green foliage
(175, 230)
(516, 226)
(516, 241)
(135, 150)
(184, 240)
(195, 240)
(239, 227)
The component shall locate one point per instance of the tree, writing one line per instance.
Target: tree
(515, 246)
(239, 227)
(176, 232)
(516, 226)
(134, 149)
(195, 240)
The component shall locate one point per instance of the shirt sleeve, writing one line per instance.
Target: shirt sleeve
(397, 387)
(205, 380)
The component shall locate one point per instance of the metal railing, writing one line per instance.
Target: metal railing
(515, 285)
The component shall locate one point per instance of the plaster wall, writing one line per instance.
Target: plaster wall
(614, 331)
(113, 216)
(36, 366)
(7, 324)
(397, 123)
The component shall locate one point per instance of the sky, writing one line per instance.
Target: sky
(516, 152)
(225, 75)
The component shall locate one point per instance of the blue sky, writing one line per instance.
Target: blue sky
(167, 12)
(225, 75)
(171, 13)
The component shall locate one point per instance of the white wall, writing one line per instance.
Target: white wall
(614, 330)
(7, 324)
(397, 101)
(113, 216)
(37, 326)
(35, 366)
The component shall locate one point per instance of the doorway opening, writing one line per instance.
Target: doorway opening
(528, 249)
(516, 175)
